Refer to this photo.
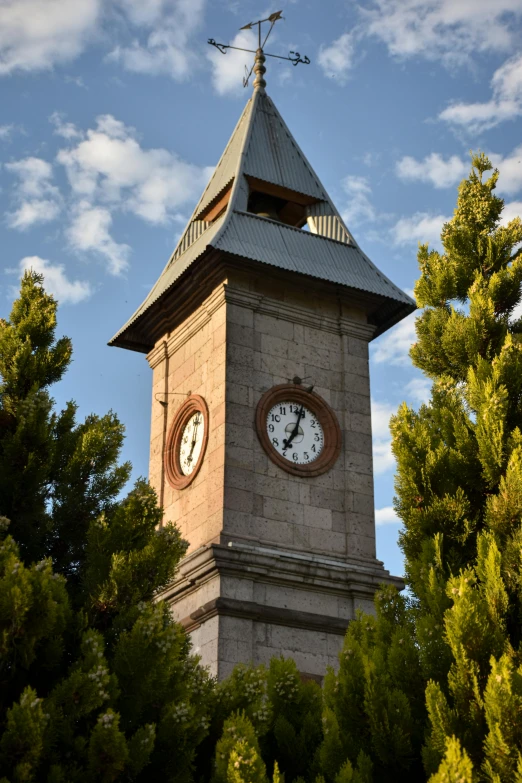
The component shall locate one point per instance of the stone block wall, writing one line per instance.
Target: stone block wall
(272, 337)
(277, 564)
(191, 360)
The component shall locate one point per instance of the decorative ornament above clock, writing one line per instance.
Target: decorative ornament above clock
(298, 430)
(186, 442)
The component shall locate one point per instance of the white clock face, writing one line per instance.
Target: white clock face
(191, 443)
(295, 432)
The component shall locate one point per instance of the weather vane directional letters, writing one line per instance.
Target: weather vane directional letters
(293, 57)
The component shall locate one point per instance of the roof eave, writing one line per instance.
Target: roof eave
(142, 333)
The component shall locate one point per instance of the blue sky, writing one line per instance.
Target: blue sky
(113, 113)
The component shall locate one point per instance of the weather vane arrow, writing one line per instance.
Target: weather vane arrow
(293, 57)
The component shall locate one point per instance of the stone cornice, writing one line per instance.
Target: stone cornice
(199, 318)
(249, 610)
(356, 579)
(287, 311)
(259, 303)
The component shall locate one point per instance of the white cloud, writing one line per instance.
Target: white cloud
(512, 209)
(30, 213)
(451, 30)
(383, 459)
(89, 232)
(36, 35)
(442, 173)
(62, 128)
(420, 227)
(167, 49)
(140, 13)
(38, 201)
(5, 131)
(510, 169)
(359, 208)
(34, 174)
(40, 34)
(418, 390)
(505, 103)
(433, 169)
(109, 165)
(336, 60)
(229, 69)
(56, 282)
(381, 413)
(394, 346)
(386, 516)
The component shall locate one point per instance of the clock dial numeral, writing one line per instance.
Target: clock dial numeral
(191, 444)
(294, 432)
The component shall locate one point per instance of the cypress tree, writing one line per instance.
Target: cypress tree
(279, 715)
(96, 681)
(433, 684)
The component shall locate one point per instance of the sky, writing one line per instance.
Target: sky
(113, 114)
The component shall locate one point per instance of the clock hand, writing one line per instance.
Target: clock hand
(194, 440)
(294, 432)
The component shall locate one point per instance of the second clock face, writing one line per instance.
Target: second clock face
(191, 443)
(295, 432)
(186, 442)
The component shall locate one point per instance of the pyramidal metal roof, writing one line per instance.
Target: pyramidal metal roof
(262, 149)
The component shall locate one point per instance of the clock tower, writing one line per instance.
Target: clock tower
(257, 335)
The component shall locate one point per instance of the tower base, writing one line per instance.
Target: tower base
(244, 603)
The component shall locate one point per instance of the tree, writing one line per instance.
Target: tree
(434, 682)
(96, 680)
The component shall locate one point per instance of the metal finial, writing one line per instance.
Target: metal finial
(258, 67)
(259, 70)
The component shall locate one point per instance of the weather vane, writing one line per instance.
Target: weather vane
(293, 57)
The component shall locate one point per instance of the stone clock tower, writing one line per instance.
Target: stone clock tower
(257, 334)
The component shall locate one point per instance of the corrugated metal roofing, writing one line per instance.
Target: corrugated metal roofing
(263, 147)
(273, 155)
(227, 165)
(174, 270)
(270, 242)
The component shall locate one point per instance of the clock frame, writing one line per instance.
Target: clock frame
(291, 392)
(175, 476)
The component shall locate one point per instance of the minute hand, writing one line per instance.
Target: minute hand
(194, 441)
(296, 428)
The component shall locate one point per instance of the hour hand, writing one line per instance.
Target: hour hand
(194, 441)
(295, 430)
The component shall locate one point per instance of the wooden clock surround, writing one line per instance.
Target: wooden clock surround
(321, 410)
(175, 476)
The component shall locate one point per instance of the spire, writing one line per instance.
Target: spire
(262, 193)
(259, 70)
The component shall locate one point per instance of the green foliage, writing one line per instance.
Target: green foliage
(283, 711)
(368, 705)
(245, 765)
(295, 731)
(238, 757)
(96, 681)
(445, 701)
(456, 765)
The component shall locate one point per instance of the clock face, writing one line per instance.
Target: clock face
(295, 432)
(298, 430)
(186, 442)
(191, 443)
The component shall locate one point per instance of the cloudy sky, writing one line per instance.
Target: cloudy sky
(113, 113)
